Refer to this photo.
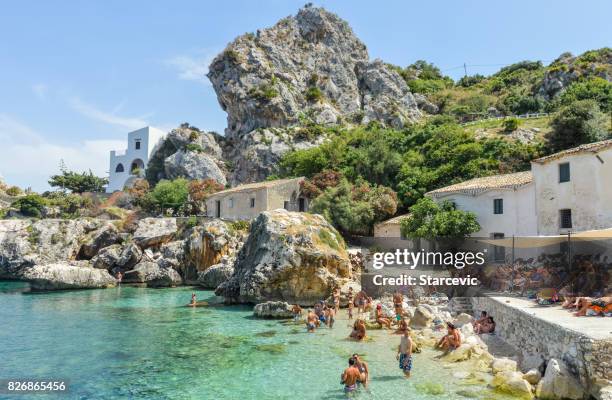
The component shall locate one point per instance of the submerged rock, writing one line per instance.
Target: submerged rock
(273, 309)
(60, 276)
(512, 382)
(288, 256)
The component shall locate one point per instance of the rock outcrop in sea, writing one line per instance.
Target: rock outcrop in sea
(289, 256)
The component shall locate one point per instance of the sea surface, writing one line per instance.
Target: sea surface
(139, 343)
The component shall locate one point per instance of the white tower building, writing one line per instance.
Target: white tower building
(127, 165)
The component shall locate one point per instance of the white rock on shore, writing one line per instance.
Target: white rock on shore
(558, 383)
(60, 276)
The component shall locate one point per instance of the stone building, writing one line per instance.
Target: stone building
(504, 204)
(573, 189)
(127, 165)
(390, 228)
(245, 202)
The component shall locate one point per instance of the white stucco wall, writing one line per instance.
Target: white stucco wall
(148, 138)
(518, 219)
(588, 193)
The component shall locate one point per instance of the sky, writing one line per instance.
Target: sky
(76, 76)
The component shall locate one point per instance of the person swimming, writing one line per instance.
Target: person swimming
(350, 376)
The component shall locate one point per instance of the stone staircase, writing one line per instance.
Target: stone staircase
(458, 305)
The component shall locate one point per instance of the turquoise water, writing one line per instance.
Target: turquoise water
(142, 343)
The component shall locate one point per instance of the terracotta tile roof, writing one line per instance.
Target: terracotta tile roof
(256, 185)
(585, 148)
(479, 185)
(394, 220)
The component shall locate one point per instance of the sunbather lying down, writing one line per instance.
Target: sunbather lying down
(593, 307)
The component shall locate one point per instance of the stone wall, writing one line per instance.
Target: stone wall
(538, 341)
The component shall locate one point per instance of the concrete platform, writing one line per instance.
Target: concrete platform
(594, 327)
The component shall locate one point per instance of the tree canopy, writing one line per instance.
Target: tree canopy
(431, 220)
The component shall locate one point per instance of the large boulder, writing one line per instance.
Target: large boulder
(152, 232)
(273, 309)
(172, 255)
(558, 383)
(205, 141)
(130, 256)
(152, 275)
(422, 318)
(209, 244)
(102, 237)
(58, 276)
(512, 382)
(193, 164)
(289, 256)
(503, 364)
(108, 257)
(215, 275)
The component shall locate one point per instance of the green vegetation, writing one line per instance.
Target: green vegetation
(313, 94)
(266, 91)
(430, 220)
(70, 205)
(14, 191)
(511, 124)
(194, 147)
(30, 205)
(78, 182)
(170, 194)
(577, 123)
(239, 226)
(355, 208)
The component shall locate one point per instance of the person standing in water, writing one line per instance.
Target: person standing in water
(311, 321)
(362, 366)
(351, 303)
(404, 353)
(330, 316)
(398, 300)
(336, 296)
(297, 312)
(350, 376)
(193, 300)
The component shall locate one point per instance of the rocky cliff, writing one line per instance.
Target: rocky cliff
(311, 65)
(308, 69)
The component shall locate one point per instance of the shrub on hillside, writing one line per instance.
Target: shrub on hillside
(577, 123)
(30, 205)
(14, 191)
(430, 220)
(170, 194)
(511, 124)
(78, 182)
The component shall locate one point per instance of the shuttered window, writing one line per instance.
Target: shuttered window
(564, 172)
(498, 206)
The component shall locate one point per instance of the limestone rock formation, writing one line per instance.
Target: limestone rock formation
(102, 237)
(273, 309)
(153, 275)
(215, 275)
(512, 382)
(288, 256)
(558, 383)
(193, 164)
(58, 276)
(209, 244)
(310, 64)
(108, 257)
(422, 317)
(155, 231)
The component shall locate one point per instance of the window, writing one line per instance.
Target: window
(137, 144)
(566, 218)
(252, 202)
(498, 206)
(499, 252)
(230, 203)
(218, 208)
(564, 172)
(119, 168)
(286, 205)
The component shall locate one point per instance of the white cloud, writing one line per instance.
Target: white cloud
(27, 159)
(93, 112)
(193, 67)
(40, 90)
